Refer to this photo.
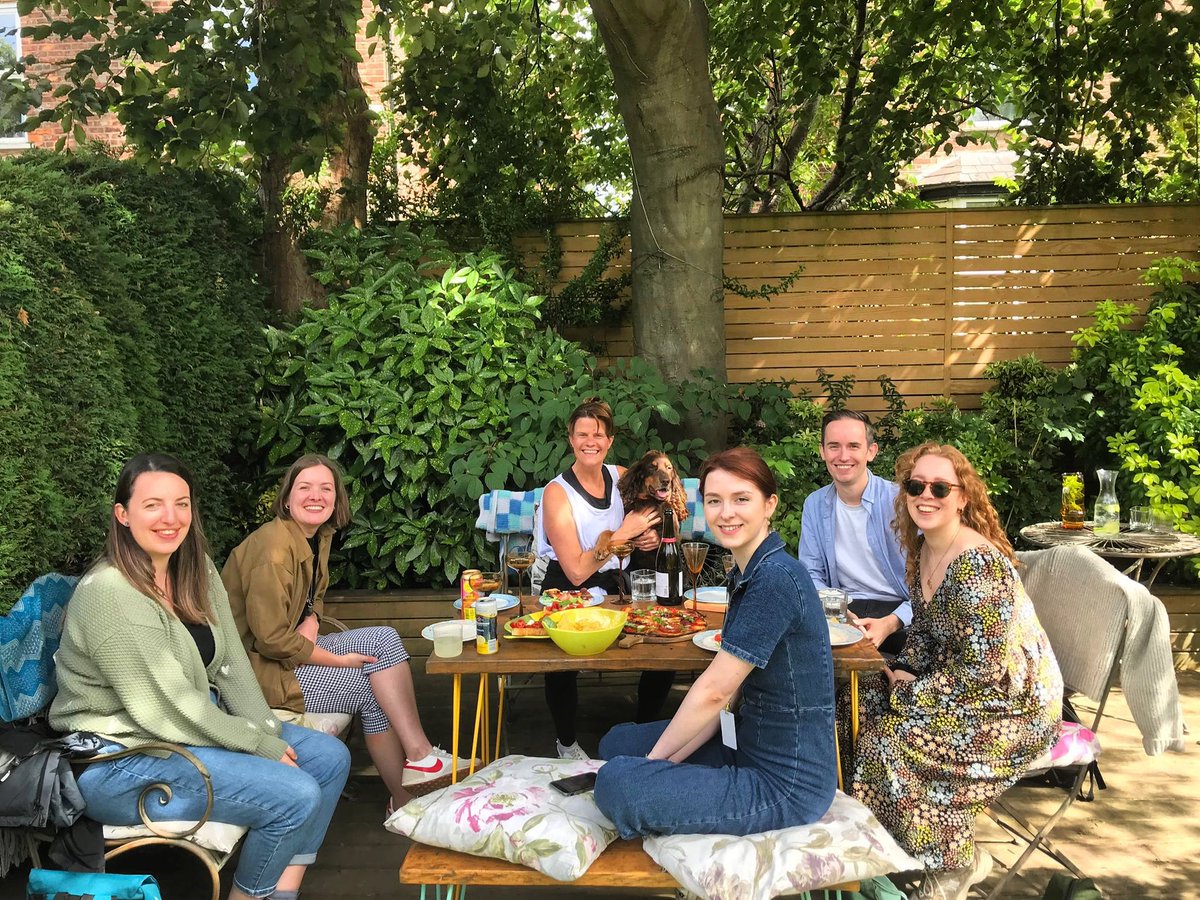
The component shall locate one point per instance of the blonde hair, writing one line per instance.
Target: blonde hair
(977, 513)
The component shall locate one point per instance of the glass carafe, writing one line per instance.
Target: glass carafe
(1107, 516)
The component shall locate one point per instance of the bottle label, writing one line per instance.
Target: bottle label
(662, 584)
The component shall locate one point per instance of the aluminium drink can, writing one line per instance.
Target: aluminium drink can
(487, 638)
(467, 591)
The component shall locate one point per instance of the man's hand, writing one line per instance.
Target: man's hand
(878, 630)
(309, 627)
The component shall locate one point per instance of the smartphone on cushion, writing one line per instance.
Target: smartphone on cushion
(575, 784)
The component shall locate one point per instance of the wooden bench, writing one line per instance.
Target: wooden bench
(624, 864)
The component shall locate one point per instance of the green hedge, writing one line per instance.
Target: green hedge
(131, 319)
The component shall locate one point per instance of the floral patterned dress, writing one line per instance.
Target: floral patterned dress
(987, 701)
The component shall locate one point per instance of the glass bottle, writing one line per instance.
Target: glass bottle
(1107, 516)
(1072, 501)
(668, 566)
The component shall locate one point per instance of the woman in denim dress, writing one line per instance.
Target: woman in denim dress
(689, 775)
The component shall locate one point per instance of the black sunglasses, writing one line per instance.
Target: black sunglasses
(940, 489)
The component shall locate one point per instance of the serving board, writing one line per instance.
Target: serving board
(632, 640)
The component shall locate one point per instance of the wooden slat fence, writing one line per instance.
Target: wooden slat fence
(929, 297)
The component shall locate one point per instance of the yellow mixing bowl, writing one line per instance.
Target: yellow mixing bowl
(584, 643)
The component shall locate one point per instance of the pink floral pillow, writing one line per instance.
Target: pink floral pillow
(508, 810)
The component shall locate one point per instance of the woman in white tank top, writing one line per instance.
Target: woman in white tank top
(576, 507)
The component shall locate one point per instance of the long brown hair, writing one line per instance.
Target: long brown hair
(341, 501)
(187, 569)
(978, 512)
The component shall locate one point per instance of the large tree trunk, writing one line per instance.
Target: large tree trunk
(286, 269)
(658, 51)
(351, 160)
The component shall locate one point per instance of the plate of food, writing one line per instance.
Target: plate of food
(468, 627)
(841, 635)
(527, 626)
(503, 601)
(555, 600)
(712, 596)
(708, 640)
(664, 622)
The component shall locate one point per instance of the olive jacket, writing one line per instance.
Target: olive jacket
(268, 577)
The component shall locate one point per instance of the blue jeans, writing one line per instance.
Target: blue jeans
(713, 792)
(286, 809)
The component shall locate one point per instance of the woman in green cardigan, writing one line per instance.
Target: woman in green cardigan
(150, 652)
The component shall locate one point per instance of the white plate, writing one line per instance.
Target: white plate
(715, 595)
(595, 601)
(468, 627)
(707, 640)
(843, 635)
(503, 602)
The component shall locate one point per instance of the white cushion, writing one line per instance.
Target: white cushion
(847, 844)
(330, 723)
(508, 810)
(220, 837)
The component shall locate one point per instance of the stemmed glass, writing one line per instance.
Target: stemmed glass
(694, 554)
(521, 559)
(621, 550)
(727, 564)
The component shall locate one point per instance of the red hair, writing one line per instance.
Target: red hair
(744, 463)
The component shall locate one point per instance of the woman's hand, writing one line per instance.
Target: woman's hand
(356, 660)
(897, 675)
(289, 758)
(647, 540)
(635, 524)
(309, 628)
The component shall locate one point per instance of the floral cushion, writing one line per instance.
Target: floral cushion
(847, 844)
(508, 810)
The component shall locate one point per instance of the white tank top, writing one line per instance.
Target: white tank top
(589, 520)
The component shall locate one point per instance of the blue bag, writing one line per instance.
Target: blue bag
(29, 637)
(46, 884)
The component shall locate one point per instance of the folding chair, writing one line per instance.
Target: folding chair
(505, 516)
(1088, 649)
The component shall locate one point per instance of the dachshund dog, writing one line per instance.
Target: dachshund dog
(647, 486)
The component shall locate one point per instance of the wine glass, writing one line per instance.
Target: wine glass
(694, 554)
(521, 559)
(621, 550)
(727, 564)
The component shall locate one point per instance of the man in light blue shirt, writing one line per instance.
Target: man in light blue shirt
(846, 536)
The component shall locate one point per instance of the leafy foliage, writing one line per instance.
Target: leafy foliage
(1133, 394)
(129, 318)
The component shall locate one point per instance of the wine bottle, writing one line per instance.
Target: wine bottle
(668, 565)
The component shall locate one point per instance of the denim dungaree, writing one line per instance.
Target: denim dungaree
(784, 770)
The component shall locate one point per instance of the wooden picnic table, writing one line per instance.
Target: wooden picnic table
(520, 656)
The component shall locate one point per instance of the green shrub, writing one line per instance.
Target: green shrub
(431, 380)
(1133, 394)
(131, 317)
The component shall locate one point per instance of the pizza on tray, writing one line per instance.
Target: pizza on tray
(664, 621)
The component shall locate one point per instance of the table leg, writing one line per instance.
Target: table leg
(480, 700)
(837, 750)
(499, 712)
(456, 710)
(1157, 568)
(853, 710)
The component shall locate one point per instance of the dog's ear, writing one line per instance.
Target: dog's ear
(679, 499)
(629, 484)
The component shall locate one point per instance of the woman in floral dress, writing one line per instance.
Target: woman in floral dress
(975, 695)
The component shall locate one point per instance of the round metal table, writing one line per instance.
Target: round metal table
(1138, 546)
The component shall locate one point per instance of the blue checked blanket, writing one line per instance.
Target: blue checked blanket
(511, 512)
(29, 637)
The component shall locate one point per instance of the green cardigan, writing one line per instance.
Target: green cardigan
(129, 671)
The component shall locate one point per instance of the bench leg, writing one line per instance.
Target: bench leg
(499, 713)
